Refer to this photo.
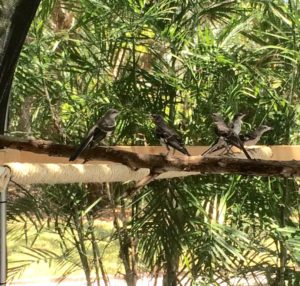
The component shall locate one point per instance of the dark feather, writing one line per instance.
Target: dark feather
(105, 125)
(168, 136)
(95, 134)
(222, 130)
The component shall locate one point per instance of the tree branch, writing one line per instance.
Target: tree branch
(160, 163)
(142, 183)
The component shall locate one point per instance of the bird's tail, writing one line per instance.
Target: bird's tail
(216, 146)
(185, 151)
(244, 150)
(239, 144)
(79, 150)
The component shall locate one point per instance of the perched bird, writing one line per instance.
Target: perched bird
(236, 124)
(230, 137)
(220, 143)
(104, 127)
(253, 137)
(167, 136)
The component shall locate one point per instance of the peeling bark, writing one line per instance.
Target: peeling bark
(160, 163)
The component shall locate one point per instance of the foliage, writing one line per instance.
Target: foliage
(185, 59)
(76, 242)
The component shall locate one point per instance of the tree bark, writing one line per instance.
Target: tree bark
(160, 163)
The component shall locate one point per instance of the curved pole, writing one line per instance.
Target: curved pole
(17, 20)
(4, 180)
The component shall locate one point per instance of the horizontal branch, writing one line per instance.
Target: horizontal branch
(159, 163)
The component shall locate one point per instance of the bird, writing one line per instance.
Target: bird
(254, 137)
(228, 134)
(236, 124)
(104, 127)
(167, 136)
(220, 143)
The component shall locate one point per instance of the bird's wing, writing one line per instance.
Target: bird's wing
(173, 139)
(99, 134)
(178, 146)
(171, 134)
(95, 134)
(159, 132)
(84, 144)
(221, 128)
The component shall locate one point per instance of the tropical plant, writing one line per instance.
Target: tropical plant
(185, 59)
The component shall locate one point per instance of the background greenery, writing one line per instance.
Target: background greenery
(184, 59)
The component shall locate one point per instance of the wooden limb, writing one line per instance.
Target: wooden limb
(160, 163)
(142, 183)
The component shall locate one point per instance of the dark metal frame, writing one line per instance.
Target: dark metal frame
(18, 25)
(4, 180)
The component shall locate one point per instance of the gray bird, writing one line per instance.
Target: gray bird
(104, 127)
(254, 137)
(230, 137)
(220, 143)
(167, 136)
(236, 124)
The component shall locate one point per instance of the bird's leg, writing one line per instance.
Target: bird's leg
(219, 144)
(210, 147)
(105, 142)
(174, 151)
(209, 150)
(168, 148)
(228, 149)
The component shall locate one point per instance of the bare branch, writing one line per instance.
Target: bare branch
(160, 163)
(142, 183)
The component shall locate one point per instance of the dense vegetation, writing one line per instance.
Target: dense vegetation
(185, 59)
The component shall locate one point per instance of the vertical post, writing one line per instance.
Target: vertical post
(4, 179)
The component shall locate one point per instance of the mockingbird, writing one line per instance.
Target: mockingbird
(220, 143)
(167, 136)
(227, 134)
(236, 124)
(253, 137)
(104, 127)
